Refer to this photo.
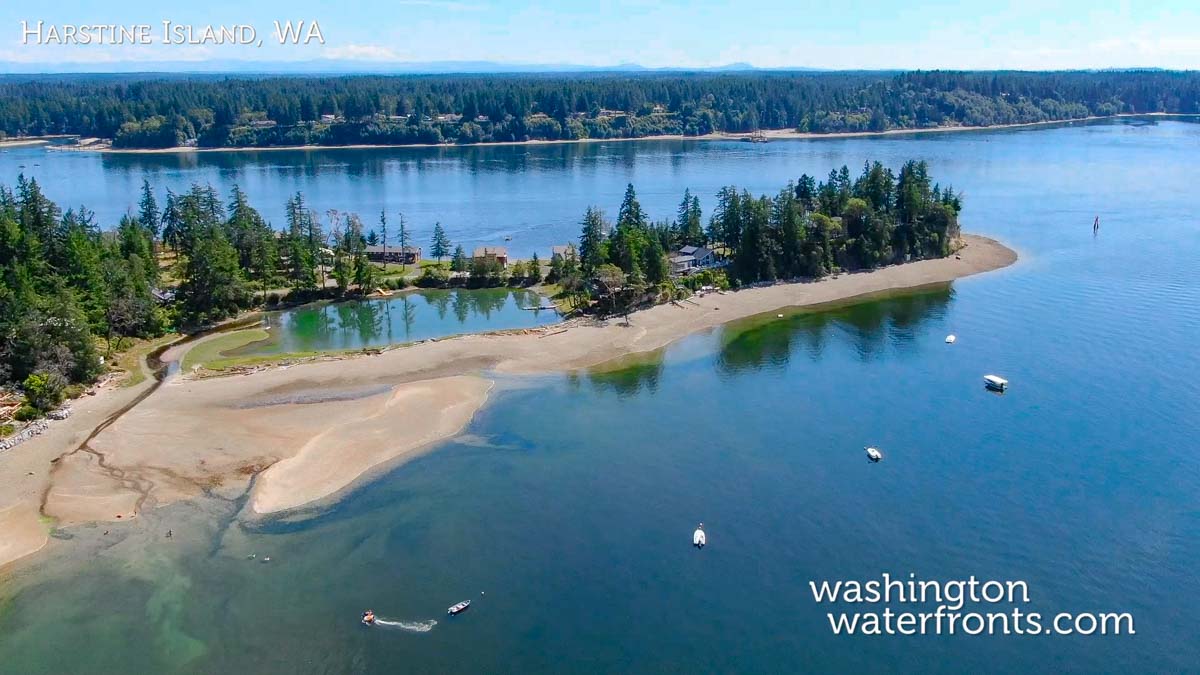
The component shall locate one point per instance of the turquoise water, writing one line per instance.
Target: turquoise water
(571, 499)
(406, 317)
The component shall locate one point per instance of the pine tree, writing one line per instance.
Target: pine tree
(440, 246)
(212, 287)
(402, 242)
(591, 241)
(459, 262)
(534, 271)
(148, 214)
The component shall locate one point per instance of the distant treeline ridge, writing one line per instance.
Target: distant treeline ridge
(243, 111)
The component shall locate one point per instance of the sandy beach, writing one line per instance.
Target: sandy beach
(22, 142)
(770, 134)
(300, 434)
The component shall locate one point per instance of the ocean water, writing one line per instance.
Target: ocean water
(571, 498)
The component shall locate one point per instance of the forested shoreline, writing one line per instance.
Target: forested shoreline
(148, 111)
(70, 290)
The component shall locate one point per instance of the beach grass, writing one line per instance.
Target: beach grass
(262, 359)
(212, 351)
(565, 302)
(132, 359)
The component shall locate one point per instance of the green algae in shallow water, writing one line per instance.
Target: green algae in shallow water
(166, 608)
(407, 317)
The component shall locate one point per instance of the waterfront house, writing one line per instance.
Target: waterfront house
(489, 253)
(689, 259)
(562, 252)
(409, 255)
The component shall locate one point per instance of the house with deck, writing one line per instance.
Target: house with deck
(563, 252)
(690, 259)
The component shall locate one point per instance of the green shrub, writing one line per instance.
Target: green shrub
(6, 430)
(272, 299)
(716, 278)
(44, 390)
(433, 277)
(26, 413)
(74, 391)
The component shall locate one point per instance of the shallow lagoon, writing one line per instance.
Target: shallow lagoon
(406, 317)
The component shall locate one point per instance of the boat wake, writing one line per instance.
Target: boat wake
(409, 626)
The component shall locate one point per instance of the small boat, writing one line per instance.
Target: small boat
(950, 339)
(995, 382)
(459, 608)
(368, 618)
(698, 538)
(874, 454)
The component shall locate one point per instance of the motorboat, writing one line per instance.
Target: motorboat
(459, 608)
(874, 454)
(950, 339)
(995, 382)
(698, 538)
(368, 618)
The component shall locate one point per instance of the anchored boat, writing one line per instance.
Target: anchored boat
(698, 538)
(995, 382)
(874, 454)
(459, 608)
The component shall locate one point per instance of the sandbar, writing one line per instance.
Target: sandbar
(302, 433)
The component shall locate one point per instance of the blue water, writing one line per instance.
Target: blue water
(536, 195)
(571, 499)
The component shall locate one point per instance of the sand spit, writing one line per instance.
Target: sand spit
(309, 431)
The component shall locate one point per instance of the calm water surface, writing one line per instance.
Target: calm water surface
(406, 317)
(572, 498)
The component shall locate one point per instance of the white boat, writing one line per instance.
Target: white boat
(950, 339)
(459, 608)
(874, 454)
(995, 382)
(698, 538)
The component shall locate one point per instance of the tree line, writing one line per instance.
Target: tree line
(809, 229)
(139, 111)
(69, 290)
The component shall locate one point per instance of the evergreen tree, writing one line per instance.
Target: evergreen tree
(591, 241)
(459, 262)
(148, 214)
(534, 271)
(212, 288)
(439, 247)
(688, 225)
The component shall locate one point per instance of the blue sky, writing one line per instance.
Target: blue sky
(699, 33)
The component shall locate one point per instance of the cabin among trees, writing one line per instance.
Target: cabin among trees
(489, 255)
(564, 252)
(400, 255)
